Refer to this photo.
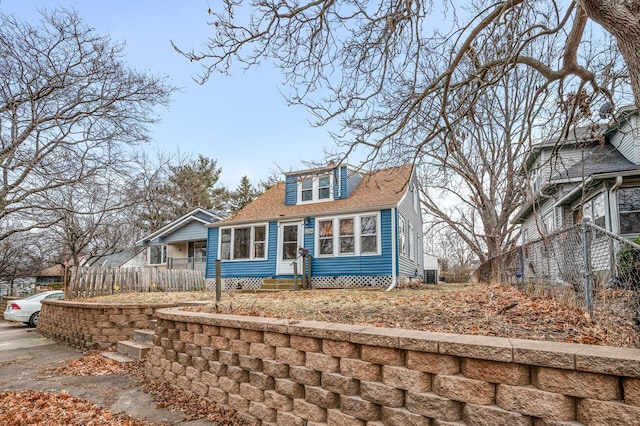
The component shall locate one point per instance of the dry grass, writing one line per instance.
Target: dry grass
(472, 309)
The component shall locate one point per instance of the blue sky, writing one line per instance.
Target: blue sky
(242, 121)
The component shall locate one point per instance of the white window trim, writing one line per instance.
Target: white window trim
(163, 254)
(315, 191)
(251, 242)
(357, 236)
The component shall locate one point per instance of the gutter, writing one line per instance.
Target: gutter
(394, 260)
(315, 214)
(593, 178)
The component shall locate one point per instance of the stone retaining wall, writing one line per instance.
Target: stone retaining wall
(94, 326)
(290, 373)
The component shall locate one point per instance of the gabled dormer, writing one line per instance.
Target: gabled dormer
(322, 184)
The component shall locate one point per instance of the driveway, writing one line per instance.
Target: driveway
(27, 360)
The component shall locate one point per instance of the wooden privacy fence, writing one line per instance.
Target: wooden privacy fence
(91, 282)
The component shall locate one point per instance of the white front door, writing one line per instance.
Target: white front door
(289, 240)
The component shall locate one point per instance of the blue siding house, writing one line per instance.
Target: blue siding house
(359, 229)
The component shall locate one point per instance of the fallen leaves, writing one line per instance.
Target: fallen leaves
(94, 364)
(493, 310)
(52, 409)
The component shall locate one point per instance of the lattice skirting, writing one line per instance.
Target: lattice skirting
(230, 284)
(350, 281)
(254, 283)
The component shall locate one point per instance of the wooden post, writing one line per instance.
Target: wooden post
(295, 276)
(218, 282)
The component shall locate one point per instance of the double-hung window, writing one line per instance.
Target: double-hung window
(349, 235)
(325, 236)
(316, 188)
(368, 234)
(243, 242)
(629, 210)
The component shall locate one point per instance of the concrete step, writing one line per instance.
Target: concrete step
(118, 357)
(143, 336)
(278, 284)
(133, 349)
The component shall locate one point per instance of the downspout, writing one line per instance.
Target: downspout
(612, 191)
(394, 239)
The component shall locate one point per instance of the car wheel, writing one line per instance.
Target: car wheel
(33, 321)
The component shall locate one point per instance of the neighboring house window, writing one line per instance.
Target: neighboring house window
(157, 255)
(242, 243)
(593, 210)
(548, 222)
(317, 188)
(629, 210)
(197, 249)
(402, 240)
(352, 235)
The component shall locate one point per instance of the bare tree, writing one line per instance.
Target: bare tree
(69, 108)
(454, 253)
(90, 219)
(21, 255)
(395, 75)
(470, 176)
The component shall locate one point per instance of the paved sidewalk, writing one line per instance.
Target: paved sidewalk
(26, 356)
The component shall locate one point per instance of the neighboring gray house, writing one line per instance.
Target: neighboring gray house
(182, 244)
(592, 175)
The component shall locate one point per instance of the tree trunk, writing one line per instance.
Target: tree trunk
(622, 20)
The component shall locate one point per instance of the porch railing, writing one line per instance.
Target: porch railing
(195, 263)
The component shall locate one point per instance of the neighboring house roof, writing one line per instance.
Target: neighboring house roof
(114, 260)
(601, 159)
(199, 214)
(52, 271)
(378, 189)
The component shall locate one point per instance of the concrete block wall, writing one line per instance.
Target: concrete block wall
(290, 373)
(93, 326)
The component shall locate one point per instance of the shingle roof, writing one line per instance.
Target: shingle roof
(377, 189)
(600, 159)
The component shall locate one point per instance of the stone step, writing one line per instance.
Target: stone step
(278, 284)
(133, 349)
(143, 336)
(118, 357)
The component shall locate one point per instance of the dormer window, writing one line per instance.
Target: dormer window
(313, 189)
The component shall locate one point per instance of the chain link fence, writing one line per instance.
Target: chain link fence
(584, 266)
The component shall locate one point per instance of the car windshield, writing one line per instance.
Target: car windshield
(33, 296)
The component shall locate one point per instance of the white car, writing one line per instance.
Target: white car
(27, 310)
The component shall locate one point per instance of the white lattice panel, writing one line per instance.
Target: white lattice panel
(350, 281)
(231, 284)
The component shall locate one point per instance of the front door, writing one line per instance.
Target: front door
(289, 240)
